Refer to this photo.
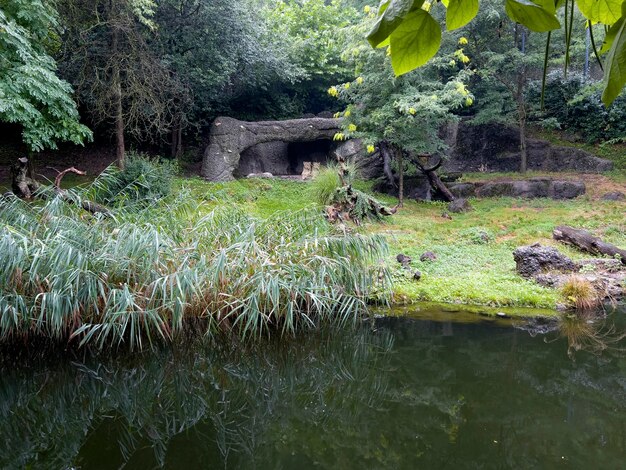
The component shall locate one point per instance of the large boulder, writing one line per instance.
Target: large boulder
(229, 137)
(529, 188)
(495, 148)
(536, 259)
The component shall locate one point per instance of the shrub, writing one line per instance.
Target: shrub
(580, 293)
(477, 235)
(575, 105)
(142, 178)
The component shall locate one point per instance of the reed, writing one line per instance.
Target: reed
(140, 276)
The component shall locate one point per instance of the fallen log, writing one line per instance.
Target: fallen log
(585, 241)
(86, 205)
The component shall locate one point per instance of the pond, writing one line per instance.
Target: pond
(428, 390)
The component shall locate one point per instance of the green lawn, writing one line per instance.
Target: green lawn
(474, 251)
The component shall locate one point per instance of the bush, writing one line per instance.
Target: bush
(142, 178)
(477, 235)
(575, 105)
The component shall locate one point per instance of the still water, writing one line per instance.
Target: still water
(435, 390)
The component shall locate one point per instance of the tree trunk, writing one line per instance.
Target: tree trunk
(400, 155)
(120, 153)
(521, 112)
(585, 241)
(177, 131)
(229, 137)
(522, 140)
(386, 154)
(436, 182)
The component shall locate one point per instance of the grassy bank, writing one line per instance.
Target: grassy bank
(153, 269)
(474, 262)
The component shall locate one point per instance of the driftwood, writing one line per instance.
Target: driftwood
(229, 137)
(346, 203)
(432, 176)
(23, 182)
(86, 205)
(585, 241)
(26, 186)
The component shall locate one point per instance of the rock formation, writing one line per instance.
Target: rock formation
(229, 137)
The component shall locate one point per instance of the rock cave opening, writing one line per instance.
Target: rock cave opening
(284, 159)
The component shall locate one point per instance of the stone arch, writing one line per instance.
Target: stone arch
(229, 137)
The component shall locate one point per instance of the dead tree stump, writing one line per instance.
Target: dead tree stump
(23, 182)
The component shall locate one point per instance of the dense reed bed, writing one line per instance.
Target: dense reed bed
(158, 265)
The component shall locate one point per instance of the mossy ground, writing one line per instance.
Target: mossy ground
(474, 250)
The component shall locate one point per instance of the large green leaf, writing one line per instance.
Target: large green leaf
(615, 65)
(414, 42)
(601, 11)
(460, 12)
(392, 14)
(537, 16)
(610, 36)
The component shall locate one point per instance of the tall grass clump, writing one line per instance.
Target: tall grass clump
(148, 271)
(325, 185)
(142, 178)
(580, 293)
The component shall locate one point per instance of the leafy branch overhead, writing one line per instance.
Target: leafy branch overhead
(413, 35)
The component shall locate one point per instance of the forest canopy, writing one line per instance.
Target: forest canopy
(157, 72)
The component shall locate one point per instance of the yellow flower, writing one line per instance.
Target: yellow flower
(434, 97)
(412, 111)
(367, 9)
(332, 91)
(347, 113)
(370, 149)
(426, 6)
(460, 87)
(359, 80)
(462, 40)
(469, 101)
(452, 63)
(336, 115)
(339, 136)
(346, 85)
(465, 59)
(351, 127)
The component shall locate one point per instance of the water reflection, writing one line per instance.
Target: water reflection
(405, 394)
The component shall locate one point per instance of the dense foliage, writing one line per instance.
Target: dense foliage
(413, 35)
(31, 94)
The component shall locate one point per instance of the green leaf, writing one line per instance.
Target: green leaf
(601, 11)
(392, 14)
(539, 16)
(610, 36)
(460, 12)
(414, 42)
(615, 66)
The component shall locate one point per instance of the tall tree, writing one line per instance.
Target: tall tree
(119, 78)
(400, 115)
(31, 93)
